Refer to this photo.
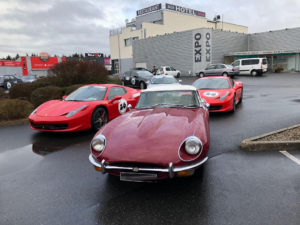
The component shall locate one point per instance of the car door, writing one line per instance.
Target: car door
(173, 71)
(117, 107)
(7, 82)
(168, 71)
(219, 69)
(237, 89)
(210, 70)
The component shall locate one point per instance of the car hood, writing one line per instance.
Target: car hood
(220, 92)
(151, 135)
(58, 107)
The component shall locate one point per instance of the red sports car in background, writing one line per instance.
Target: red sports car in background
(221, 93)
(165, 136)
(90, 106)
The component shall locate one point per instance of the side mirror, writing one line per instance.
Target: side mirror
(129, 106)
(116, 98)
(63, 97)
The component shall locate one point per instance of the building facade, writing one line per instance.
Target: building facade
(155, 21)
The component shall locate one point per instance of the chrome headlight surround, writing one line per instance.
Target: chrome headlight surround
(191, 148)
(72, 113)
(224, 96)
(98, 144)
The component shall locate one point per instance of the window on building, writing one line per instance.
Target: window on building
(127, 42)
(135, 38)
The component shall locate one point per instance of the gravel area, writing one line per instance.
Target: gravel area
(287, 135)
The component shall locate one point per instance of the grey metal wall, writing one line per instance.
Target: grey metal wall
(125, 65)
(7, 70)
(166, 50)
(224, 42)
(288, 39)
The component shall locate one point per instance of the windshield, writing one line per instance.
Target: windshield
(87, 93)
(179, 99)
(212, 83)
(163, 80)
(144, 73)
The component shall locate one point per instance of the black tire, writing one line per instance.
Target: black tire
(99, 118)
(199, 172)
(225, 74)
(254, 73)
(201, 74)
(143, 85)
(178, 75)
(233, 104)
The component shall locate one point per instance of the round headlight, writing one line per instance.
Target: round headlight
(193, 145)
(98, 143)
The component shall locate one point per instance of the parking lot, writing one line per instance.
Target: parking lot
(47, 178)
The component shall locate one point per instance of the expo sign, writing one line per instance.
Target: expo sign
(201, 48)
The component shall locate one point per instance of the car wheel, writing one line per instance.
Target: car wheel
(233, 104)
(8, 85)
(142, 85)
(201, 74)
(178, 75)
(253, 73)
(225, 74)
(99, 118)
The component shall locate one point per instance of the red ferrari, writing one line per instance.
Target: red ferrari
(221, 93)
(90, 106)
(165, 136)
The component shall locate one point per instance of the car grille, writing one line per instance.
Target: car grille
(49, 126)
(215, 107)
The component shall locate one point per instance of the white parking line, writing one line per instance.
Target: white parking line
(291, 157)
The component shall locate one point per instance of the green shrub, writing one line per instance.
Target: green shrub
(2, 93)
(43, 94)
(68, 90)
(21, 91)
(78, 72)
(114, 80)
(11, 109)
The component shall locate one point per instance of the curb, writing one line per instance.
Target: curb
(252, 144)
(13, 122)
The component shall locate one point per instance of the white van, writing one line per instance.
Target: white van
(252, 66)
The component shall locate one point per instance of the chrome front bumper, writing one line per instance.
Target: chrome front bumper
(171, 170)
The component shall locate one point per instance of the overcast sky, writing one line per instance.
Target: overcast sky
(69, 26)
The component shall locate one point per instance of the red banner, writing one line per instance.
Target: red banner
(37, 63)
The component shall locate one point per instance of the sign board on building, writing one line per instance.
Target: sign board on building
(38, 63)
(10, 63)
(184, 10)
(148, 9)
(93, 55)
(202, 49)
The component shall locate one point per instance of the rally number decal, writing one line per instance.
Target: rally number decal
(122, 106)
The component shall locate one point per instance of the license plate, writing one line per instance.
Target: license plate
(131, 176)
(126, 78)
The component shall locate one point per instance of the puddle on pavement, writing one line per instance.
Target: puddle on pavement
(47, 143)
(14, 160)
(296, 100)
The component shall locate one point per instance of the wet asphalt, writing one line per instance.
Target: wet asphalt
(47, 178)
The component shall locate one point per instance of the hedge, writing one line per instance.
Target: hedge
(11, 109)
(43, 94)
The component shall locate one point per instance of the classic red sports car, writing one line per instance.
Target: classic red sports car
(221, 93)
(165, 136)
(90, 106)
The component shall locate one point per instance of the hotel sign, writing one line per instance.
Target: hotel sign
(185, 10)
(148, 9)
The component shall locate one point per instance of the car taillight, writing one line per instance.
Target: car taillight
(232, 69)
(162, 72)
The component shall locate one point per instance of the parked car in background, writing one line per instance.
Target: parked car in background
(221, 93)
(29, 78)
(168, 70)
(136, 78)
(7, 81)
(251, 66)
(218, 70)
(89, 107)
(165, 136)
(163, 80)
